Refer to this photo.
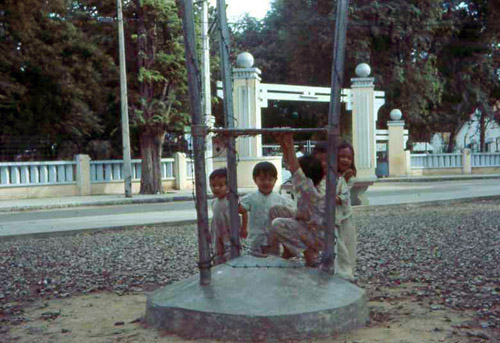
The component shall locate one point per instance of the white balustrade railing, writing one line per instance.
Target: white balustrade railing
(64, 172)
(419, 161)
(485, 159)
(37, 173)
(112, 170)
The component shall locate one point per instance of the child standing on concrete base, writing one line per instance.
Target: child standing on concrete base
(346, 231)
(345, 262)
(258, 204)
(301, 231)
(220, 227)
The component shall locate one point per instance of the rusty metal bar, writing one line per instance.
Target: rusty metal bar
(204, 260)
(327, 263)
(234, 218)
(250, 132)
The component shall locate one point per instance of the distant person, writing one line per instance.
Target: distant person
(220, 227)
(301, 151)
(258, 204)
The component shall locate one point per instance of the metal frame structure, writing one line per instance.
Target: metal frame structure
(199, 131)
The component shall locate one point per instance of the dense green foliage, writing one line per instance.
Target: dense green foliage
(436, 60)
(56, 84)
(59, 69)
(60, 81)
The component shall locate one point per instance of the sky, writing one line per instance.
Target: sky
(237, 8)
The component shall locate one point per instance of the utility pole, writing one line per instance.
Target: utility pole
(327, 262)
(127, 164)
(205, 85)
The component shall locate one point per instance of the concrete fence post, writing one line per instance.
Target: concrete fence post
(466, 162)
(397, 163)
(408, 162)
(83, 174)
(180, 171)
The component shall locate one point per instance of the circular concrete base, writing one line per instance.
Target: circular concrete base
(259, 299)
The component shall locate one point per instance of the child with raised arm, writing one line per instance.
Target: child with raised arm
(301, 231)
(258, 204)
(220, 227)
(346, 232)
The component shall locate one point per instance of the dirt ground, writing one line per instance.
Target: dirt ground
(108, 317)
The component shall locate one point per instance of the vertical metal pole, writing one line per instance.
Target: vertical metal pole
(229, 121)
(127, 163)
(198, 140)
(333, 132)
(205, 84)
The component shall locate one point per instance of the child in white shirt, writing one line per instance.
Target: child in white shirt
(258, 204)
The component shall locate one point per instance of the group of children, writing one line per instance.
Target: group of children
(272, 221)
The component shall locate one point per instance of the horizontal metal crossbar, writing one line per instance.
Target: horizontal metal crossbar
(243, 132)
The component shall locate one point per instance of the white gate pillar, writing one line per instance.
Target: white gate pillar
(364, 117)
(247, 109)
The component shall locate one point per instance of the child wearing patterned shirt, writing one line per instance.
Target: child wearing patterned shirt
(346, 232)
(258, 204)
(300, 231)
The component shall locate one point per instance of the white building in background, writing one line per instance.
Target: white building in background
(469, 136)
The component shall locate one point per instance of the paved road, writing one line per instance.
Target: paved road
(91, 218)
(116, 216)
(410, 192)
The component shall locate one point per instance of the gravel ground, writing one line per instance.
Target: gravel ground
(450, 252)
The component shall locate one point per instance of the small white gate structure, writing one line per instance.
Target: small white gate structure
(250, 96)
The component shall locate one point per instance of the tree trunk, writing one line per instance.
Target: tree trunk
(451, 139)
(151, 141)
(482, 130)
(451, 142)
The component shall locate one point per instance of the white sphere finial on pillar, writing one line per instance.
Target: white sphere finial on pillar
(363, 70)
(396, 114)
(244, 60)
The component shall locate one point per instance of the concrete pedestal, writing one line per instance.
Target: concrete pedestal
(397, 156)
(259, 300)
(358, 196)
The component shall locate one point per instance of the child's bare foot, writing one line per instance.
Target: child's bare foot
(287, 254)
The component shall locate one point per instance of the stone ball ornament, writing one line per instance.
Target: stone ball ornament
(396, 114)
(363, 70)
(244, 60)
